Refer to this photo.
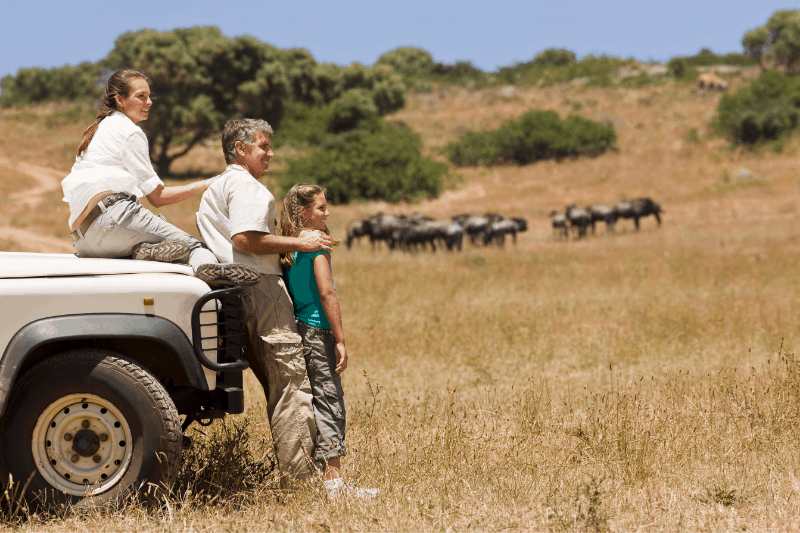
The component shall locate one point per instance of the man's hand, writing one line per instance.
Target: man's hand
(341, 358)
(314, 240)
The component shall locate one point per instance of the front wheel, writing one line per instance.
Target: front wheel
(88, 426)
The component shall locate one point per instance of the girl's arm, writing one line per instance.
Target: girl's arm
(330, 305)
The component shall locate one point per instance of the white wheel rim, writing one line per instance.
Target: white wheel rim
(82, 445)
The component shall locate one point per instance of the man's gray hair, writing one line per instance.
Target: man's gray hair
(242, 130)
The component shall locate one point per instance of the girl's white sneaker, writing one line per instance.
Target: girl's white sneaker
(337, 487)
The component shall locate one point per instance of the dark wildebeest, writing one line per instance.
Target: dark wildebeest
(461, 219)
(429, 232)
(601, 213)
(560, 226)
(382, 226)
(497, 231)
(416, 218)
(355, 230)
(638, 208)
(579, 220)
(474, 226)
(453, 236)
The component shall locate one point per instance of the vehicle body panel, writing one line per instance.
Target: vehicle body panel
(32, 265)
(24, 300)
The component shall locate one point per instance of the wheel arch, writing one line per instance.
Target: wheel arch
(156, 343)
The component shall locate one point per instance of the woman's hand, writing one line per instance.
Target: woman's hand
(341, 357)
(162, 196)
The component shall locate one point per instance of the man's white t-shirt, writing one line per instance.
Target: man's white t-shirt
(234, 203)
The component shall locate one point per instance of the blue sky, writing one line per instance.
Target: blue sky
(49, 33)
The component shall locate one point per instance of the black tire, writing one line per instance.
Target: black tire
(83, 405)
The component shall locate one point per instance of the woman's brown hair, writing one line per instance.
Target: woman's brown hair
(118, 84)
(300, 196)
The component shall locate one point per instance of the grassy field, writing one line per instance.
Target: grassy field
(631, 381)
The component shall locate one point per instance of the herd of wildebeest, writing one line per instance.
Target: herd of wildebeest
(579, 220)
(418, 233)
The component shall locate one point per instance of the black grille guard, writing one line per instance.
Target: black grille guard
(229, 337)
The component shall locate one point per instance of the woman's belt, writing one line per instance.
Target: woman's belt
(107, 201)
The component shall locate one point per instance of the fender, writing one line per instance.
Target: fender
(97, 326)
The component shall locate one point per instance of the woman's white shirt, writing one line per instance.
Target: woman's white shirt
(117, 159)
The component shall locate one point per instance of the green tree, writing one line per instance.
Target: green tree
(754, 42)
(767, 109)
(385, 87)
(777, 44)
(36, 85)
(200, 79)
(554, 57)
(350, 109)
(203, 78)
(677, 67)
(409, 62)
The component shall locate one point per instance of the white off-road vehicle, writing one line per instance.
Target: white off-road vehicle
(100, 359)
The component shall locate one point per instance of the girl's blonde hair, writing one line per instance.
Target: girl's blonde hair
(300, 196)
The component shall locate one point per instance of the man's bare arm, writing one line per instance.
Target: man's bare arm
(256, 242)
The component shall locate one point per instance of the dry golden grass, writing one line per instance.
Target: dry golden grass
(637, 381)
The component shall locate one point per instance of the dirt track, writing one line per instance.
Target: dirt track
(45, 181)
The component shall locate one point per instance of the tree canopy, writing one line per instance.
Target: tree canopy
(33, 85)
(776, 44)
(202, 78)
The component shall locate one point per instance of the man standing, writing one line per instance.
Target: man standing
(237, 219)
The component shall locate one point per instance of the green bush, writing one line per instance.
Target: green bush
(767, 109)
(384, 162)
(677, 67)
(706, 58)
(554, 57)
(459, 73)
(535, 136)
(474, 147)
(303, 126)
(350, 109)
(409, 62)
(36, 85)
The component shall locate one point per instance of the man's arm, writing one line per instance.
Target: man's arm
(256, 242)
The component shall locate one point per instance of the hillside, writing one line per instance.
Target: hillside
(666, 151)
(630, 381)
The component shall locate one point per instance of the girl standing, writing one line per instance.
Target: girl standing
(319, 322)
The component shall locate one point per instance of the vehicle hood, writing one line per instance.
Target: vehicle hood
(31, 265)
